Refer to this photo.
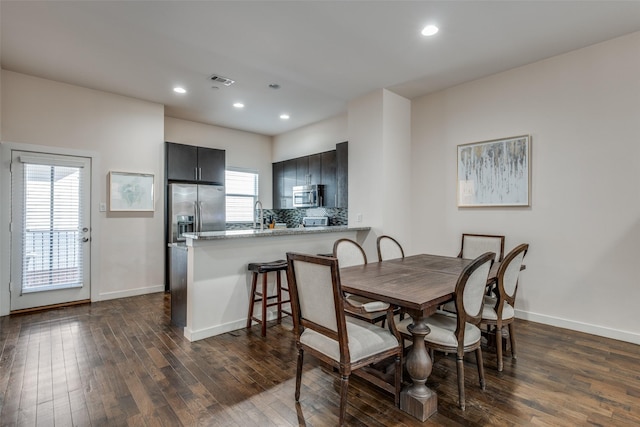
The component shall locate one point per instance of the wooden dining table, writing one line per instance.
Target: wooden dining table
(418, 284)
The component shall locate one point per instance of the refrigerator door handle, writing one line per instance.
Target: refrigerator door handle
(199, 216)
(196, 217)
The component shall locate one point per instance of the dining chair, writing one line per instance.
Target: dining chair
(459, 332)
(350, 253)
(388, 248)
(474, 245)
(322, 329)
(499, 310)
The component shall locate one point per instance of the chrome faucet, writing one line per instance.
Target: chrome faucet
(255, 206)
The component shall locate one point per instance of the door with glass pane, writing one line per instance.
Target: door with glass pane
(50, 229)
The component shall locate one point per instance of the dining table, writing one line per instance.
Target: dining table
(417, 284)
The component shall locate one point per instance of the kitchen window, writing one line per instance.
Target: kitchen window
(242, 194)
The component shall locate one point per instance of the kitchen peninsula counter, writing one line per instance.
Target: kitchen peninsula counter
(268, 232)
(218, 282)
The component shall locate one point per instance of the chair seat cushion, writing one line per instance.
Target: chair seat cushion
(368, 305)
(489, 312)
(443, 328)
(365, 339)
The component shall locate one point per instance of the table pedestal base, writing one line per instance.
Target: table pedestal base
(420, 407)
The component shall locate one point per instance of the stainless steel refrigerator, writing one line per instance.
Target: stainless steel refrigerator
(195, 208)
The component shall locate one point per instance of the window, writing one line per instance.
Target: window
(242, 193)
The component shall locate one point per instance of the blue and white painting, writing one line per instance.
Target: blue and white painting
(494, 173)
(131, 192)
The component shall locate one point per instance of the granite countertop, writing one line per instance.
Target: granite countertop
(267, 232)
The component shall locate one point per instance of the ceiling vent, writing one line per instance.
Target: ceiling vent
(219, 79)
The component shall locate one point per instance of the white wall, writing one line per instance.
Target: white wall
(582, 110)
(379, 160)
(126, 135)
(243, 149)
(315, 138)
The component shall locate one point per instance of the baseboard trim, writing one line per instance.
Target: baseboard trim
(49, 307)
(588, 328)
(130, 292)
(200, 334)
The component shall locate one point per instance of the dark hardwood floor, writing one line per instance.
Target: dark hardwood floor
(120, 363)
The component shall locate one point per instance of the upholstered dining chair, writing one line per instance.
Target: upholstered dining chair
(350, 253)
(459, 332)
(474, 245)
(322, 329)
(499, 309)
(388, 248)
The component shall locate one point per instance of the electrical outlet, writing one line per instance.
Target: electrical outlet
(359, 217)
(102, 207)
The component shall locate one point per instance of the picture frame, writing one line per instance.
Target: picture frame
(494, 173)
(131, 192)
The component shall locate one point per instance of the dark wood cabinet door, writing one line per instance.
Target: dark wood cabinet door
(328, 165)
(315, 168)
(181, 161)
(302, 170)
(211, 163)
(278, 185)
(342, 174)
(289, 181)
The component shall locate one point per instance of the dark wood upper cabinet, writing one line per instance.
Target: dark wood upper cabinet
(289, 171)
(279, 201)
(329, 169)
(194, 164)
(342, 174)
(302, 170)
(315, 168)
(182, 162)
(211, 163)
(328, 164)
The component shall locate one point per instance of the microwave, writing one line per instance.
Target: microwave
(308, 196)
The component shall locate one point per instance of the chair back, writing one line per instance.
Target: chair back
(470, 289)
(388, 248)
(316, 296)
(349, 253)
(474, 245)
(508, 273)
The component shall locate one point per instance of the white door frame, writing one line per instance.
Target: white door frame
(98, 191)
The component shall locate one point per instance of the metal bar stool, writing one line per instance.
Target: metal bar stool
(263, 268)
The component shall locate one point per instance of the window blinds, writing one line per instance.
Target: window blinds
(241, 194)
(52, 246)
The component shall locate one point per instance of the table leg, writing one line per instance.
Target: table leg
(417, 399)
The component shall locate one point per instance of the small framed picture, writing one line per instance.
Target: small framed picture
(130, 192)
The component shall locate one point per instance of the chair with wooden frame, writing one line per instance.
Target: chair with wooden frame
(459, 332)
(322, 328)
(474, 245)
(499, 310)
(388, 248)
(349, 253)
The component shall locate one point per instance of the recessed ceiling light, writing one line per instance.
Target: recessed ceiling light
(238, 105)
(179, 90)
(274, 86)
(429, 30)
(284, 116)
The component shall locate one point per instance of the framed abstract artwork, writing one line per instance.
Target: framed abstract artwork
(130, 192)
(494, 173)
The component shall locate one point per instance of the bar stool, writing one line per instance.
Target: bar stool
(263, 268)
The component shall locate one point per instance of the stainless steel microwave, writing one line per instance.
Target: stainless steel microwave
(308, 196)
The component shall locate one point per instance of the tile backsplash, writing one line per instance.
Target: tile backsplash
(293, 217)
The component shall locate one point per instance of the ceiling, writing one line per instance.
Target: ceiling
(322, 53)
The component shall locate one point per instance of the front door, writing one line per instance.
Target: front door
(50, 229)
